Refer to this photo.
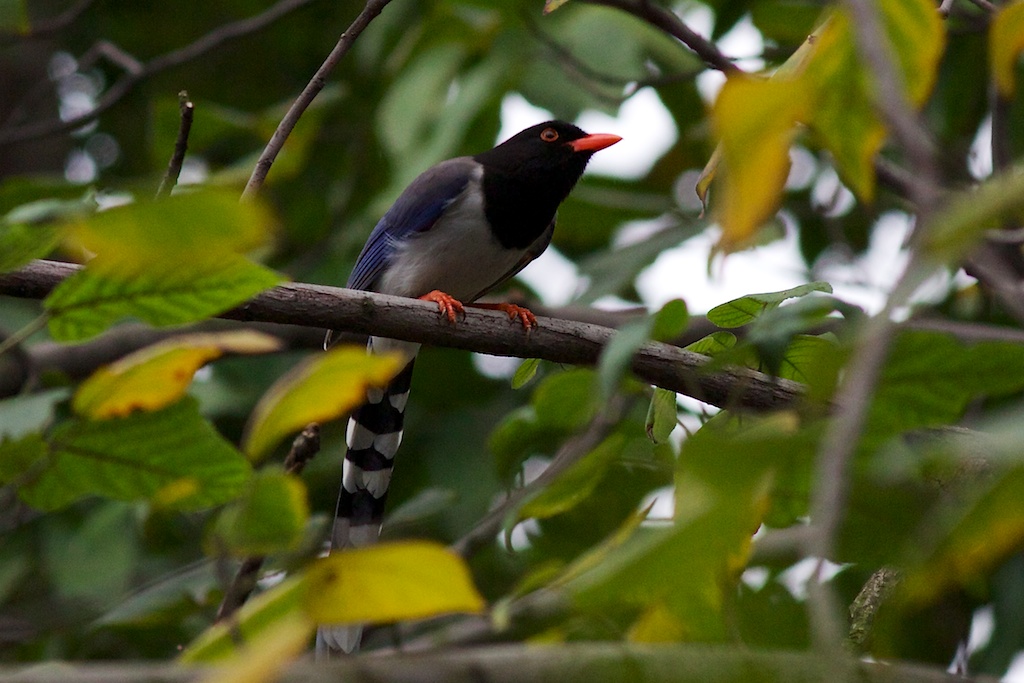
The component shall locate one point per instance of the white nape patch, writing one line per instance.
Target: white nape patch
(398, 401)
(359, 437)
(387, 444)
(374, 395)
(355, 478)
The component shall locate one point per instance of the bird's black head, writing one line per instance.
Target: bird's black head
(527, 177)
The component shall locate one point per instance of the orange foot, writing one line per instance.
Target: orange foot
(525, 315)
(449, 306)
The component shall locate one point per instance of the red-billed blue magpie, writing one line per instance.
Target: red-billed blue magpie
(460, 229)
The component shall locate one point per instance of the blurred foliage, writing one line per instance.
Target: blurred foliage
(128, 495)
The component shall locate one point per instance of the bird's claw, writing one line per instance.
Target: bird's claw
(525, 315)
(447, 305)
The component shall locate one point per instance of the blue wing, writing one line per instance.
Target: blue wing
(415, 211)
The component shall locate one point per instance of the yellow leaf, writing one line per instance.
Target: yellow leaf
(843, 115)
(256, 619)
(390, 582)
(1005, 43)
(323, 388)
(755, 120)
(200, 226)
(551, 5)
(788, 70)
(159, 375)
(264, 658)
(657, 624)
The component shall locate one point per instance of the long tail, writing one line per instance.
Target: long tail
(374, 434)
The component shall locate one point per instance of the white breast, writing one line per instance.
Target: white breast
(459, 255)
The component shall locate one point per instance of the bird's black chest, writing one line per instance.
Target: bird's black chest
(520, 209)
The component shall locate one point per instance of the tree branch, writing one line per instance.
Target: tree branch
(667, 21)
(559, 341)
(312, 89)
(170, 178)
(591, 662)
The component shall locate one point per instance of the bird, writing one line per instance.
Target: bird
(460, 229)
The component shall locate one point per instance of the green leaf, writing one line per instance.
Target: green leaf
(574, 485)
(390, 582)
(566, 401)
(13, 16)
(713, 344)
(20, 243)
(269, 517)
(618, 353)
(172, 457)
(171, 293)
(968, 215)
(930, 378)
(188, 229)
(526, 371)
(159, 602)
(95, 561)
(21, 415)
(988, 531)
(726, 482)
(742, 311)
(670, 321)
(324, 387)
(30, 231)
(257, 617)
(804, 356)
(662, 415)
(19, 458)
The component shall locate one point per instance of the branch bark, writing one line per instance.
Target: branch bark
(558, 341)
(668, 22)
(570, 662)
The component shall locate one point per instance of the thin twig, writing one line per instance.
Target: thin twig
(569, 454)
(131, 78)
(170, 178)
(312, 89)
(558, 341)
(304, 448)
(667, 21)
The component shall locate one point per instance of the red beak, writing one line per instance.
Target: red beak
(595, 142)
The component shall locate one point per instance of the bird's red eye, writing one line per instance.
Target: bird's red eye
(549, 135)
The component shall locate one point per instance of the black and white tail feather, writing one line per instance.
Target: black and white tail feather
(374, 434)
